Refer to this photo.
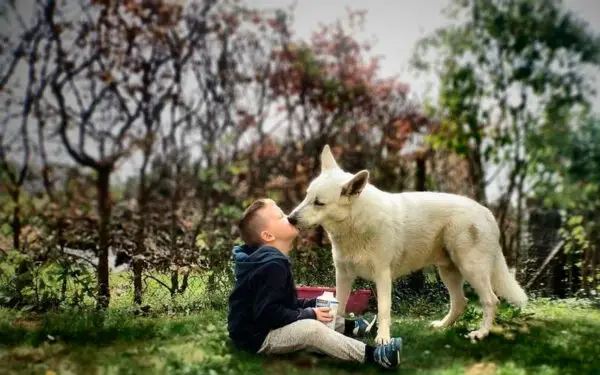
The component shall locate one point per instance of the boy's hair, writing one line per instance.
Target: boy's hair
(249, 224)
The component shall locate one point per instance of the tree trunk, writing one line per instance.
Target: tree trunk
(174, 283)
(104, 211)
(575, 274)
(137, 263)
(184, 283)
(559, 278)
(595, 270)
(63, 287)
(137, 280)
(513, 260)
(173, 231)
(585, 270)
(595, 258)
(477, 177)
(504, 206)
(421, 174)
(16, 220)
(416, 280)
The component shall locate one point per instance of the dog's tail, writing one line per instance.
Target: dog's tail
(505, 284)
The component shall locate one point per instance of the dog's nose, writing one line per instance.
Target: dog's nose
(293, 220)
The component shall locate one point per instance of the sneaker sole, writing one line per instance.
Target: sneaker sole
(401, 343)
(399, 349)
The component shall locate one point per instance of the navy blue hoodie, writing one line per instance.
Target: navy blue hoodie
(264, 296)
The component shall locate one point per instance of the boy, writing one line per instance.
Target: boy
(265, 315)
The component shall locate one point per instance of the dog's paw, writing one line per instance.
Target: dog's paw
(438, 324)
(477, 335)
(382, 339)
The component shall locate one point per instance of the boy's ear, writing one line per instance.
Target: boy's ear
(266, 236)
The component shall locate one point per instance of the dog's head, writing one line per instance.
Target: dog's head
(330, 196)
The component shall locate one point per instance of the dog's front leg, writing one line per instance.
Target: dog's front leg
(343, 286)
(383, 283)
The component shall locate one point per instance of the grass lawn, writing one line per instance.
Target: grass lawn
(546, 338)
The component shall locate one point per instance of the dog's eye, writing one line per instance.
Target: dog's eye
(319, 203)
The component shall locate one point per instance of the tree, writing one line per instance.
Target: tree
(511, 73)
(575, 165)
(186, 170)
(27, 54)
(160, 61)
(329, 91)
(98, 65)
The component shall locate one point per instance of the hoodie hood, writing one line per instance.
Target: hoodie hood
(247, 258)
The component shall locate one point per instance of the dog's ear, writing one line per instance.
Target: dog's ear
(356, 184)
(327, 159)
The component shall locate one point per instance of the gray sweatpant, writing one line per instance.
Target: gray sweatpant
(312, 335)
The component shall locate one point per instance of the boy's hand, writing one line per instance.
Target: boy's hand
(322, 314)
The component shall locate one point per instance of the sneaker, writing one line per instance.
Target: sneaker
(363, 327)
(388, 355)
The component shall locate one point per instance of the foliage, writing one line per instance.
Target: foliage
(511, 78)
(513, 84)
(42, 286)
(575, 167)
(574, 190)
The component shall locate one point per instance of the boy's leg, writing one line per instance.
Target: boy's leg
(340, 324)
(314, 336)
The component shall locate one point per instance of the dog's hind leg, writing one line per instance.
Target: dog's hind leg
(478, 274)
(469, 247)
(453, 280)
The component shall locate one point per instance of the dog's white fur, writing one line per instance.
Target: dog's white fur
(380, 236)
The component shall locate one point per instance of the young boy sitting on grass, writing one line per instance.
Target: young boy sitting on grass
(265, 316)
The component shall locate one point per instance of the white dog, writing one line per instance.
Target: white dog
(380, 236)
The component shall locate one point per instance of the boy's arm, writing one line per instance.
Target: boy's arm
(270, 291)
(307, 302)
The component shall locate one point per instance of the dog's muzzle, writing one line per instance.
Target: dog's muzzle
(293, 220)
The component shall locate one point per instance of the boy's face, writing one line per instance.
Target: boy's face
(276, 226)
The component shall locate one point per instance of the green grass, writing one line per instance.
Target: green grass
(547, 338)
